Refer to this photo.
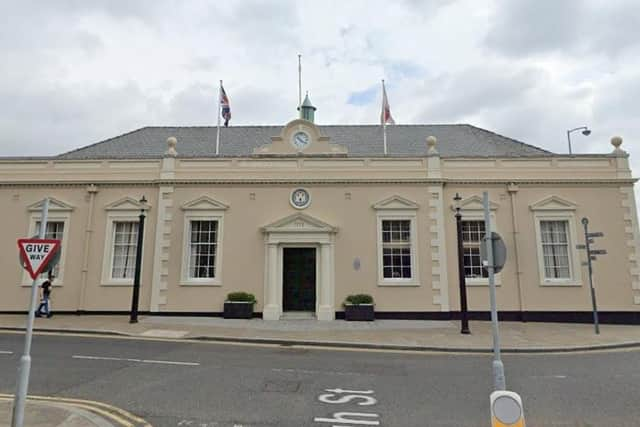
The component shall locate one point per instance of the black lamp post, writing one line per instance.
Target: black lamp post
(464, 316)
(136, 278)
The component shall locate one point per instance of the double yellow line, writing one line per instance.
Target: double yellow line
(113, 413)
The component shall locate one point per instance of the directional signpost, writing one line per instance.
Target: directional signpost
(591, 256)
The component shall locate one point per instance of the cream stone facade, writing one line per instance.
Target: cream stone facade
(243, 203)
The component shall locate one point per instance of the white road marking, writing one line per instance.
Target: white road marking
(124, 359)
(6, 352)
(337, 396)
(560, 377)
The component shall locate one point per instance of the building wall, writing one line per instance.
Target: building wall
(612, 278)
(254, 193)
(349, 208)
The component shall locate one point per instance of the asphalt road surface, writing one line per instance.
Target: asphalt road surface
(218, 385)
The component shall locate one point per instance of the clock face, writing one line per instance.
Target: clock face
(301, 140)
(300, 198)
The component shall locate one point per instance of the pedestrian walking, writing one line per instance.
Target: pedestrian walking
(45, 298)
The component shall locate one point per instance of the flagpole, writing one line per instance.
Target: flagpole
(299, 82)
(219, 112)
(384, 119)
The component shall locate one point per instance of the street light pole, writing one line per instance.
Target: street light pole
(133, 318)
(585, 132)
(464, 315)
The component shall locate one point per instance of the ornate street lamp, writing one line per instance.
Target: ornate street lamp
(585, 132)
(464, 315)
(136, 278)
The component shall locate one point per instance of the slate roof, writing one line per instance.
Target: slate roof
(460, 140)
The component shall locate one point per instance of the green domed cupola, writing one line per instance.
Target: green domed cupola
(307, 110)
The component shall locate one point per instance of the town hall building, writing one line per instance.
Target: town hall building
(303, 215)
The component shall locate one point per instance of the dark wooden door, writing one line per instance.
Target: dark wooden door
(299, 279)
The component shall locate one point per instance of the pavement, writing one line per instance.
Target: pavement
(42, 411)
(412, 335)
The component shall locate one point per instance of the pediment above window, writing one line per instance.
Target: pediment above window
(204, 203)
(55, 205)
(395, 203)
(127, 204)
(553, 203)
(474, 203)
(299, 223)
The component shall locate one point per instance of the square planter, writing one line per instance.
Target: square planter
(360, 312)
(238, 310)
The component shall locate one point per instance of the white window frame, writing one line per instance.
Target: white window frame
(479, 216)
(109, 240)
(201, 215)
(415, 273)
(52, 216)
(575, 272)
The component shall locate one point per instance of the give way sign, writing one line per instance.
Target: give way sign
(37, 253)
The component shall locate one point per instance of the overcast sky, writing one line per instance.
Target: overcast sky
(75, 72)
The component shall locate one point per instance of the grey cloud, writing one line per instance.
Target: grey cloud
(259, 26)
(90, 43)
(56, 119)
(615, 30)
(618, 98)
(521, 27)
(196, 105)
(203, 63)
(475, 90)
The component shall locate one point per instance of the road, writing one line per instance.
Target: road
(218, 385)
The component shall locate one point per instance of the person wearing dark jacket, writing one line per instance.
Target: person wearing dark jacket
(45, 301)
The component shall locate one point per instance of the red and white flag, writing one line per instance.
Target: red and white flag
(385, 114)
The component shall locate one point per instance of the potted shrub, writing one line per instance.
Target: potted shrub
(239, 305)
(359, 307)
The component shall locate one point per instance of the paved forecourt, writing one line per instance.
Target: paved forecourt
(444, 335)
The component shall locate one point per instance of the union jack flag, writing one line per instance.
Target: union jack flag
(226, 108)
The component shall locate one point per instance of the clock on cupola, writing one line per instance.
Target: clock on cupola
(301, 139)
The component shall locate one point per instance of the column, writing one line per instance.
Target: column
(326, 310)
(271, 310)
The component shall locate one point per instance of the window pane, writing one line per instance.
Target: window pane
(396, 231)
(472, 231)
(396, 263)
(472, 234)
(202, 249)
(55, 230)
(555, 249)
(125, 245)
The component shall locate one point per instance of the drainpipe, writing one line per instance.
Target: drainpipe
(92, 190)
(512, 189)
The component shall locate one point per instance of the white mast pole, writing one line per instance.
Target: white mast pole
(219, 112)
(384, 117)
(299, 83)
